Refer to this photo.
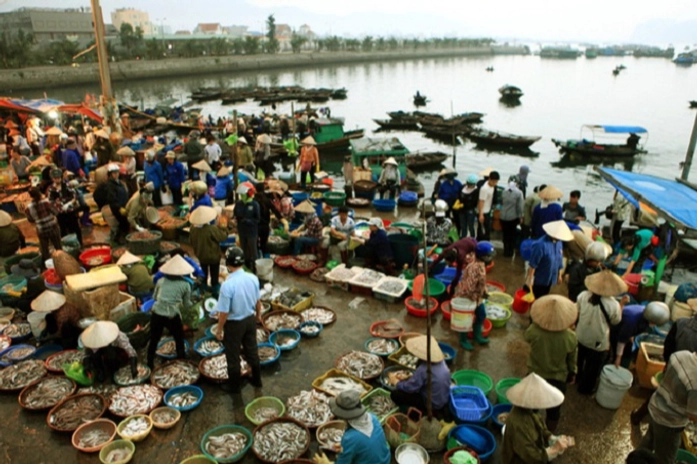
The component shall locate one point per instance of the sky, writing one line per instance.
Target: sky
(602, 21)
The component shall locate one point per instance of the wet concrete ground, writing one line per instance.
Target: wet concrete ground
(602, 436)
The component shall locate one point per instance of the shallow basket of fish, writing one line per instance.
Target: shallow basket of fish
(335, 381)
(321, 314)
(329, 435)
(386, 329)
(17, 376)
(175, 374)
(135, 428)
(117, 452)
(94, 435)
(184, 398)
(310, 329)
(285, 339)
(136, 399)
(17, 353)
(263, 409)
(281, 439)
(268, 353)
(285, 262)
(123, 377)
(46, 393)
(310, 408)
(381, 346)
(402, 373)
(214, 368)
(18, 332)
(226, 443)
(54, 363)
(360, 364)
(404, 358)
(380, 404)
(167, 348)
(74, 410)
(164, 417)
(282, 319)
(208, 346)
(5, 341)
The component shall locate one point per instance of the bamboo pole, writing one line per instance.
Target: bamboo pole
(429, 385)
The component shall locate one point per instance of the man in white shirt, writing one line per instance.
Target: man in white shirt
(213, 151)
(485, 206)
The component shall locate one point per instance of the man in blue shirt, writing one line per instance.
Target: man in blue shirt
(71, 159)
(155, 174)
(546, 264)
(238, 309)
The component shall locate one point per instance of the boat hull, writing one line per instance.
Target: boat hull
(600, 150)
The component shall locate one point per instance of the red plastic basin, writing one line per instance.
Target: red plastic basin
(95, 256)
(418, 312)
(486, 329)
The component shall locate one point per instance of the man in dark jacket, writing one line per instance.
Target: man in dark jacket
(116, 197)
(194, 153)
(248, 214)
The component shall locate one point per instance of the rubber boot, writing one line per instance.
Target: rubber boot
(256, 378)
(464, 342)
(216, 291)
(478, 334)
(323, 255)
(344, 257)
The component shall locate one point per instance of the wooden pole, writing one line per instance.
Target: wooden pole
(687, 165)
(452, 114)
(429, 385)
(233, 153)
(107, 105)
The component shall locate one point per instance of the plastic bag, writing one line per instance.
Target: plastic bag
(529, 297)
(76, 371)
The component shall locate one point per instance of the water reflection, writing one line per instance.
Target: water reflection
(524, 152)
(509, 103)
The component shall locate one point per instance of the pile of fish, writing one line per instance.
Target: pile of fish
(318, 274)
(382, 346)
(330, 437)
(408, 360)
(502, 418)
(55, 362)
(360, 364)
(48, 392)
(398, 376)
(123, 377)
(309, 329)
(19, 329)
(262, 335)
(227, 445)
(391, 286)
(136, 399)
(368, 278)
(342, 274)
(175, 374)
(20, 375)
(5, 342)
(215, 367)
(295, 296)
(135, 427)
(286, 341)
(310, 408)
(267, 353)
(93, 438)
(164, 416)
(168, 348)
(280, 441)
(264, 414)
(495, 312)
(107, 391)
(336, 385)
(303, 265)
(210, 347)
(321, 315)
(76, 410)
(18, 354)
(388, 329)
(380, 405)
(182, 400)
(274, 322)
(118, 455)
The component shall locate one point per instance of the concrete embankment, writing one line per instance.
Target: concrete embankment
(14, 80)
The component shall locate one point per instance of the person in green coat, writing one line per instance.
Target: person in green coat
(140, 282)
(553, 345)
(527, 440)
(205, 238)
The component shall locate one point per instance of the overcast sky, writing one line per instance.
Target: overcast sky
(593, 20)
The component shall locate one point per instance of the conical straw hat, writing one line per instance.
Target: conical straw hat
(391, 161)
(5, 219)
(202, 215)
(102, 133)
(554, 313)
(10, 125)
(125, 151)
(550, 193)
(309, 140)
(417, 347)
(177, 266)
(99, 334)
(152, 215)
(128, 258)
(54, 131)
(224, 171)
(199, 187)
(558, 230)
(202, 166)
(47, 302)
(533, 392)
(606, 283)
(264, 138)
(305, 207)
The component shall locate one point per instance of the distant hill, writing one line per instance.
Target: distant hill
(665, 31)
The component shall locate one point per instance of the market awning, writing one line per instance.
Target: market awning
(673, 200)
(11, 105)
(41, 105)
(81, 108)
(617, 129)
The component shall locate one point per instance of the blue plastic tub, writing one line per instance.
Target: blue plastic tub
(200, 341)
(288, 333)
(12, 348)
(167, 339)
(448, 351)
(47, 350)
(299, 197)
(447, 276)
(184, 389)
(273, 360)
(469, 404)
(310, 324)
(384, 206)
(408, 196)
(147, 306)
(394, 342)
(478, 438)
(500, 409)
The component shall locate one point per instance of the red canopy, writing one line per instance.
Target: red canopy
(82, 109)
(6, 104)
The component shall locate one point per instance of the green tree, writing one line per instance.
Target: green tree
(251, 45)
(380, 43)
(367, 44)
(15, 50)
(272, 45)
(333, 43)
(297, 42)
(154, 49)
(392, 43)
(238, 46)
(61, 52)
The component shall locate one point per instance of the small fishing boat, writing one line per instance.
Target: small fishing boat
(488, 137)
(395, 124)
(684, 59)
(420, 100)
(490, 69)
(425, 159)
(591, 147)
(693, 103)
(511, 92)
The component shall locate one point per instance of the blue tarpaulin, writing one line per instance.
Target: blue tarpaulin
(673, 200)
(42, 105)
(617, 129)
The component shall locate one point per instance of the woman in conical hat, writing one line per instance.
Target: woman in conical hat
(61, 319)
(548, 210)
(107, 349)
(308, 161)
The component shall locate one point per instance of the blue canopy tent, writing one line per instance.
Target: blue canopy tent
(617, 129)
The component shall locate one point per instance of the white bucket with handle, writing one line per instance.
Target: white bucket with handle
(37, 322)
(462, 314)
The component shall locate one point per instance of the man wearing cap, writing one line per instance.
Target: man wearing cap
(11, 237)
(107, 349)
(137, 206)
(65, 199)
(390, 178)
(20, 164)
(140, 283)
(553, 345)
(61, 319)
(42, 213)
(193, 151)
(238, 309)
(364, 439)
(527, 440)
(546, 260)
(413, 391)
(548, 210)
(128, 168)
(172, 294)
(469, 198)
(438, 226)
(205, 238)
(308, 161)
(71, 159)
(449, 190)
(174, 177)
(115, 200)
(485, 206)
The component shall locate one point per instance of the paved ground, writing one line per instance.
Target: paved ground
(602, 436)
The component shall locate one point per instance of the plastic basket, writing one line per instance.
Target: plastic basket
(502, 387)
(287, 333)
(72, 399)
(272, 360)
(29, 388)
(129, 324)
(448, 351)
(376, 393)
(392, 341)
(310, 324)
(12, 285)
(164, 425)
(264, 402)
(473, 378)
(448, 454)
(390, 297)
(199, 342)
(308, 437)
(497, 410)
(469, 403)
(8, 353)
(117, 444)
(397, 354)
(104, 425)
(500, 323)
(138, 437)
(316, 384)
(474, 436)
(334, 198)
(384, 206)
(403, 428)
(170, 356)
(304, 304)
(418, 312)
(184, 389)
(436, 288)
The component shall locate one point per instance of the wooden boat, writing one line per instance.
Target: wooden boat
(488, 137)
(420, 100)
(447, 135)
(511, 92)
(206, 94)
(435, 119)
(693, 103)
(392, 124)
(490, 69)
(425, 159)
(589, 147)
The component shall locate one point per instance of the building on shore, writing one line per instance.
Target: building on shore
(208, 29)
(135, 18)
(49, 24)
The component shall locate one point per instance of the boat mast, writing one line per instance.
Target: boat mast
(687, 165)
(106, 102)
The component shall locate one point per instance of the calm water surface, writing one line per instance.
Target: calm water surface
(560, 96)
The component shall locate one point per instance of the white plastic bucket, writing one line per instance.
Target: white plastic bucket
(265, 269)
(462, 314)
(614, 383)
(37, 322)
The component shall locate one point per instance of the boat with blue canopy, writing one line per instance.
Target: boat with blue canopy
(602, 141)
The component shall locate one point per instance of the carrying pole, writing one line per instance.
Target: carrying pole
(687, 165)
